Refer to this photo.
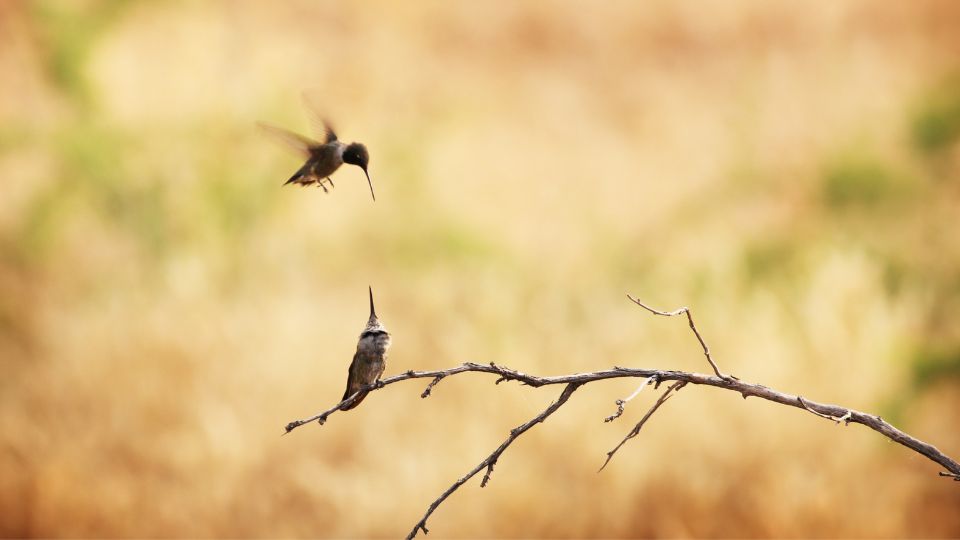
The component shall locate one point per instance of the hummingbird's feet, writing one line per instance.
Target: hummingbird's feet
(321, 182)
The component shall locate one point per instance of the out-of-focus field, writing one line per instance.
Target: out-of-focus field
(789, 170)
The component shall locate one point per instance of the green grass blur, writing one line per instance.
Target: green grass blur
(791, 173)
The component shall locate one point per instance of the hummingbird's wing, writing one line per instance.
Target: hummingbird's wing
(298, 142)
(353, 382)
(329, 135)
(319, 121)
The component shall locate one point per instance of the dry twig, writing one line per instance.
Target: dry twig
(636, 429)
(621, 402)
(491, 460)
(685, 311)
(834, 413)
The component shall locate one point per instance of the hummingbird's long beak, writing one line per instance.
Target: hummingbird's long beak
(373, 312)
(371, 184)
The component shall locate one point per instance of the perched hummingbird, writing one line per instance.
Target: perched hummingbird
(370, 359)
(323, 158)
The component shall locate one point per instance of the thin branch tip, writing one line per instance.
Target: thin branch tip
(686, 311)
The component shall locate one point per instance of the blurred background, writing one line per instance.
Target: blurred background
(791, 172)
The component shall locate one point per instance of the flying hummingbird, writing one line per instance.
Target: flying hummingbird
(323, 158)
(370, 359)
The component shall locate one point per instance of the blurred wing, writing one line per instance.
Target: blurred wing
(328, 134)
(298, 142)
(320, 123)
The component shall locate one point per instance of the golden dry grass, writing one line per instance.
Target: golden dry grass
(790, 171)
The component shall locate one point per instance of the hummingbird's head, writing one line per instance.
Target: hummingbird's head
(356, 154)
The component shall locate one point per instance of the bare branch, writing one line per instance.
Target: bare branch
(636, 429)
(833, 412)
(679, 379)
(747, 389)
(685, 311)
(491, 460)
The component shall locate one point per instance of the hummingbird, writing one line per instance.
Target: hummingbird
(323, 158)
(370, 359)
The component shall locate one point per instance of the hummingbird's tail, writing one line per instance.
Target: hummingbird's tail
(297, 175)
(347, 394)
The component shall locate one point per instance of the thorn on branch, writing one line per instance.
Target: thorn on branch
(956, 477)
(420, 526)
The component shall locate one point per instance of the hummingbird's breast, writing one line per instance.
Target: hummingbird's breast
(327, 158)
(374, 345)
